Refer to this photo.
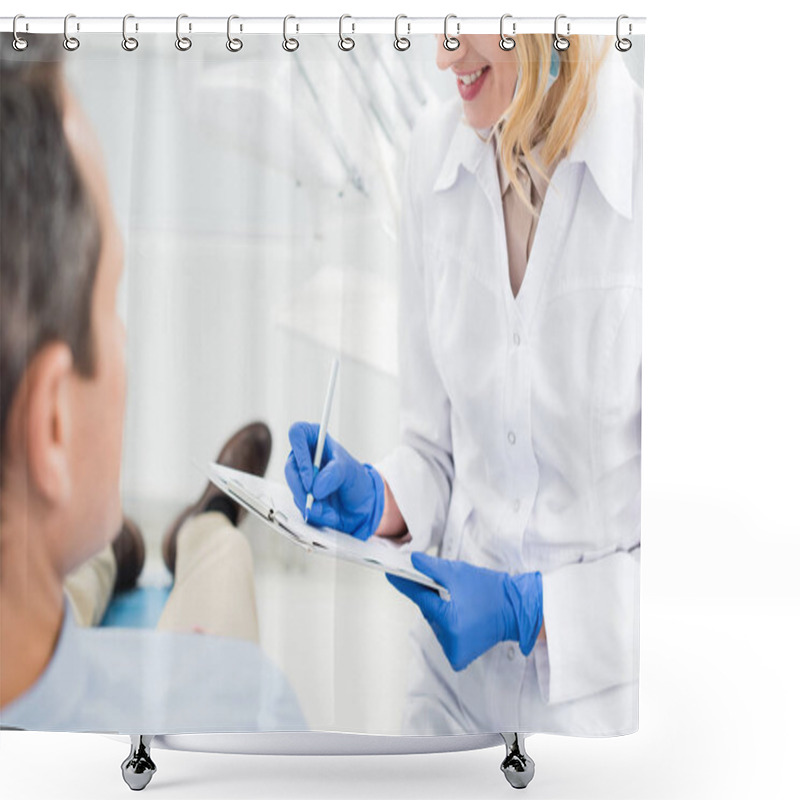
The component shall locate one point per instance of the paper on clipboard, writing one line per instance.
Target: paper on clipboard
(272, 502)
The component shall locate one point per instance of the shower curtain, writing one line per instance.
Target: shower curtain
(459, 229)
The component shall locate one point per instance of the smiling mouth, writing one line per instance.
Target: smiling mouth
(470, 84)
(471, 77)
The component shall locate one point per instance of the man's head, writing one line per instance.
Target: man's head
(62, 380)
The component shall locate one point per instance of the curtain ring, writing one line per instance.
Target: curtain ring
(289, 44)
(129, 43)
(506, 42)
(19, 43)
(346, 42)
(623, 45)
(71, 43)
(451, 42)
(401, 43)
(183, 43)
(233, 44)
(560, 43)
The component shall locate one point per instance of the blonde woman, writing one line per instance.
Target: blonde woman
(520, 374)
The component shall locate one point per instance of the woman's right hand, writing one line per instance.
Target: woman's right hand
(348, 495)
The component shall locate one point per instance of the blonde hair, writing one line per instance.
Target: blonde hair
(553, 115)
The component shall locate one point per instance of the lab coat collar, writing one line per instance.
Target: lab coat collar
(467, 147)
(605, 144)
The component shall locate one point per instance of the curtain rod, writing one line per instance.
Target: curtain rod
(329, 25)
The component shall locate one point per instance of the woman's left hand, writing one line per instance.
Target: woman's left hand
(485, 607)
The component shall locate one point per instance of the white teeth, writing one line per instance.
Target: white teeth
(472, 77)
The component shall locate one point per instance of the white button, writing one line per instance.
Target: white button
(511, 652)
(516, 339)
(511, 437)
(516, 505)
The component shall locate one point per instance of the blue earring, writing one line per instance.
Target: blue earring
(554, 63)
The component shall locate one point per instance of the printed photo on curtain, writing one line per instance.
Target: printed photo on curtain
(321, 384)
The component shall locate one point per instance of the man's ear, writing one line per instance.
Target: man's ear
(39, 422)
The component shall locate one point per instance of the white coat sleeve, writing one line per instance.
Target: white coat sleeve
(591, 617)
(591, 608)
(420, 470)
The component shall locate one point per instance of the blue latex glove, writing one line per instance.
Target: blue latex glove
(348, 494)
(485, 607)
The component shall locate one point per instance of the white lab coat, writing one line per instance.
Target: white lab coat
(520, 417)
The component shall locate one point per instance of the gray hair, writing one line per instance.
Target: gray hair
(50, 232)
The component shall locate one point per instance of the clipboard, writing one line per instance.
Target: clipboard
(273, 504)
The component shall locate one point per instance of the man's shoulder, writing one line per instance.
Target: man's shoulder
(191, 681)
(124, 678)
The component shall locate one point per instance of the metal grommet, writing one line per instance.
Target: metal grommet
(506, 42)
(19, 43)
(401, 43)
(623, 45)
(129, 43)
(345, 42)
(233, 44)
(290, 44)
(451, 42)
(183, 43)
(560, 42)
(70, 43)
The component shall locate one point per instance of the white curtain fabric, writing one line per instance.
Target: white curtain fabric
(258, 194)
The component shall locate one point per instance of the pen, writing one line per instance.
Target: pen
(323, 430)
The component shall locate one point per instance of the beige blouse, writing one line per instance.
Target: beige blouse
(520, 221)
